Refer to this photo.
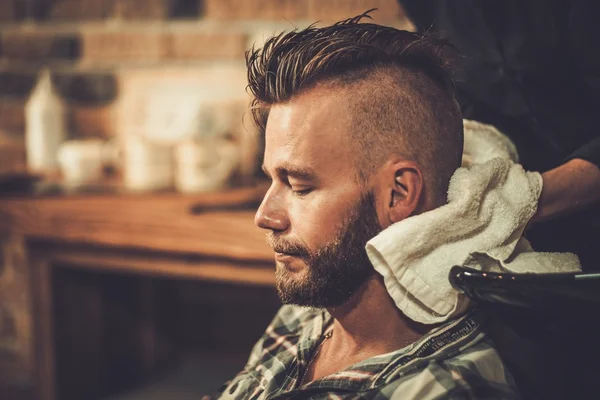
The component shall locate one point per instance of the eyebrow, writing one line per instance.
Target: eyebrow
(294, 171)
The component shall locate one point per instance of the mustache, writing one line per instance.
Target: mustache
(281, 245)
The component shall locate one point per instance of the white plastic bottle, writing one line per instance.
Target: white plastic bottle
(45, 126)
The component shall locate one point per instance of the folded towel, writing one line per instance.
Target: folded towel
(484, 142)
(481, 226)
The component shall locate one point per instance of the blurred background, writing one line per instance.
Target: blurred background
(129, 264)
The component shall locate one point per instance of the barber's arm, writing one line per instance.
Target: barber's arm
(568, 188)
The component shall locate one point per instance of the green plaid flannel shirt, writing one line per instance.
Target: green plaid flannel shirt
(454, 361)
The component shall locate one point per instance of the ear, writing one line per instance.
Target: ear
(406, 191)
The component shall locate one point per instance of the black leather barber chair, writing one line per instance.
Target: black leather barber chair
(546, 328)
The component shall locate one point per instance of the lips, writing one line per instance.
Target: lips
(291, 262)
(284, 256)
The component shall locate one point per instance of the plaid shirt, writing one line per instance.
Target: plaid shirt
(454, 361)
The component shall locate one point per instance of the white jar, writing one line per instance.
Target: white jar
(147, 166)
(81, 161)
(205, 164)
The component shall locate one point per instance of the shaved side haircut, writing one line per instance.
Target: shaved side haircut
(400, 92)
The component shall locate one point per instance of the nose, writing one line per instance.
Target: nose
(271, 213)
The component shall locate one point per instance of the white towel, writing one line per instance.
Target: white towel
(484, 142)
(488, 207)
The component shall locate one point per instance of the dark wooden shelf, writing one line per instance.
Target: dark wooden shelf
(158, 222)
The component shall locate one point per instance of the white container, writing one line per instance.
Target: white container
(206, 164)
(81, 161)
(45, 126)
(147, 166)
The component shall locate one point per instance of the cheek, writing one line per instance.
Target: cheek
(316, 221)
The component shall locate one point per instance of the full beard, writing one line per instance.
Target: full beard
(337, 270)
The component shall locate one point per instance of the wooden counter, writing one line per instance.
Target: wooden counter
(160, 222)
(207, 237)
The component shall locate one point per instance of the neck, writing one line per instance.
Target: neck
(369, 323)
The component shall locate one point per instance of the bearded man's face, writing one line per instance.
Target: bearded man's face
(335, 271)
(318, 213)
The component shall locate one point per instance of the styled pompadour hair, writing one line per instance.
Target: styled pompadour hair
(401, 85)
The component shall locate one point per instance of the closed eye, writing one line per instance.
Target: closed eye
(302, 192)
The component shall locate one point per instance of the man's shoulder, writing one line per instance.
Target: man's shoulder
(283, 335)
(288, 327)
(475, 372)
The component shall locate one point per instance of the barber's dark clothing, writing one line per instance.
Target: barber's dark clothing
(531, 68)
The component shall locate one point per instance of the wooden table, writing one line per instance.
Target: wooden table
(154, 235)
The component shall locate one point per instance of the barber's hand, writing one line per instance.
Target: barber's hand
(567, 189)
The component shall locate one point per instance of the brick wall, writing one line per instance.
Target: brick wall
(105, 53)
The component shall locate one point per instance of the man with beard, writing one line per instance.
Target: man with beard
(361, 131)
